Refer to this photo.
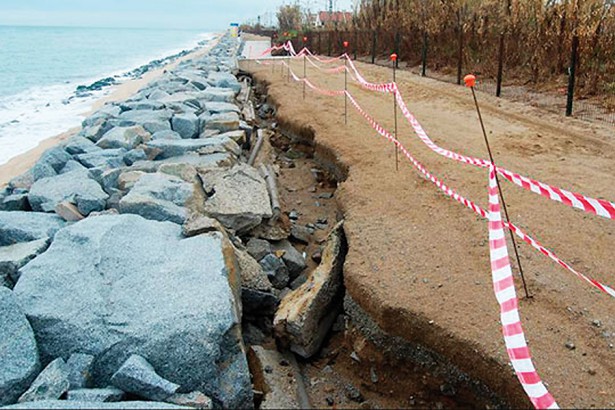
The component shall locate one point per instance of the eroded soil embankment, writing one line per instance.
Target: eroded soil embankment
(359, 363)
(418, 262)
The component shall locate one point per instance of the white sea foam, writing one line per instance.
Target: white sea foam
(39, 113)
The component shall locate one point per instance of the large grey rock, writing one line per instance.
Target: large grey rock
(16, 227)
(239, 197)
(79, 367)
(224, 80)
(202, 162)
(258, 248)
(19, 363)
(292, 258)
(51, 162)
(187, 125)
(14, 257)
(88, 405)
(224, 122)
(124, 137)
(51, 384)
(276, 271)
(112, 286)
(173, 148)
(97, 129)
(218, 94)
(139, 377)
(158, 197)
(15, 202)
(108, 158)
(72, 165)
(306, 314)
(221, 107)
(80, 145)
(75, 186)
(142, 105)
(106, 395)
(166, 135)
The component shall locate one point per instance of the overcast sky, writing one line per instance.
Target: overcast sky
(188, 14)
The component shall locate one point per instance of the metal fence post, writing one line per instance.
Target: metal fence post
(498, 87)
(572, 72)
(424, 54)
(374, 39)
(397, 41)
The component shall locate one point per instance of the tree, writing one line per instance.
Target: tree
(290, 17)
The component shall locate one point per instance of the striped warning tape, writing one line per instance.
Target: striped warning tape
(504, 288)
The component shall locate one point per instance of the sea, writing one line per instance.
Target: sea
(50, 76)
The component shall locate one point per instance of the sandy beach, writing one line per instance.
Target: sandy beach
(21, 163)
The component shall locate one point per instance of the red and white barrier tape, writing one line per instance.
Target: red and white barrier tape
(504, 288)
(585, 203)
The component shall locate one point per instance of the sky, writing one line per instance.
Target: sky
(209, 15)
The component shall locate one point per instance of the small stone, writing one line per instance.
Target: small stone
(284, 363)
(353, 393)
(591, 371)
(330, 400)
(300, 234)
(570, 346)
(258, 248)
(448, 390)
(354, 356)
(327, 369)
(327, 195)
(294, 215)
(268, 369)
(68, 211)
(276, 271)
(373, 376)
(312, 189)
(597, 323)
(322, 221)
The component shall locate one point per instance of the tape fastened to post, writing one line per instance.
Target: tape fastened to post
(504, 288)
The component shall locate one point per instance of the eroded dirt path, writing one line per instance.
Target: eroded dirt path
(418, 262)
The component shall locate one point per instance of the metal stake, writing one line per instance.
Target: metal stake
(346, 90)
(512, 237)
(304, 76)
(394, 60)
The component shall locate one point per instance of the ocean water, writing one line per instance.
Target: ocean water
(41, 68)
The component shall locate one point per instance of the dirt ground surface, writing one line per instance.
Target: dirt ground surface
(418, 262)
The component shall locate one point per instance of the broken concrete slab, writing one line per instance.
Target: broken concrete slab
(306, 314)
(278, 384)
(199, 224)
(195, 400)
(237, 197)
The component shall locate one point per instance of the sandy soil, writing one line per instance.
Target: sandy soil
(419, 263)
(23, 162)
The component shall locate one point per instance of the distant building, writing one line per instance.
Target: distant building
(325, 18)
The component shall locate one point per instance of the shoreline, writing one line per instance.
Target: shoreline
(22, 162)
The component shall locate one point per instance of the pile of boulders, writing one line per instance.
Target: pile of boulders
(128, 252)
